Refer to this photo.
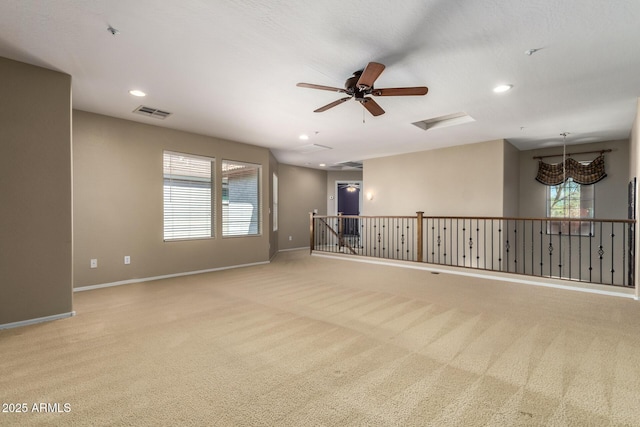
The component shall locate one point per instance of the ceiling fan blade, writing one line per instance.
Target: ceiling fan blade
(372, 106)
(401, 91)
(370, 74)
(329, 88)
(333, 104)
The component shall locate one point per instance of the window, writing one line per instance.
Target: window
(275, 202)
(241, 206)
(570, 200)
(187, 196)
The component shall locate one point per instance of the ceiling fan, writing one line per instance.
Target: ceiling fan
(360, 85)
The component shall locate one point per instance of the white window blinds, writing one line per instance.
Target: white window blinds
(241, 205)
(187, 196)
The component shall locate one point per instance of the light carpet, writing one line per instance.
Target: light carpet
(309, 341)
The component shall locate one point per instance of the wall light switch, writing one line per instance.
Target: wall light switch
(94, 263)
(290, 237)
(127, 259)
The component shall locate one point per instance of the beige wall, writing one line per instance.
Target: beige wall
(333, 177)
(461, 180)
(610, 193)
(511, 180)
(118, 202)
(35, 189)
(301, 191)
(273, 235)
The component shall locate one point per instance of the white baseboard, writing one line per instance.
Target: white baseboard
(37, 320)
(294, 249)
(504, 277)
(166, 276)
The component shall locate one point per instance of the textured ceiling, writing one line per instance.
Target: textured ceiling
(229, 68)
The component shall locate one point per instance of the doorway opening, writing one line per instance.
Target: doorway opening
(349, 202)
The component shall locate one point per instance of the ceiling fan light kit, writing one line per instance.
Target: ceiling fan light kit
(360, 88)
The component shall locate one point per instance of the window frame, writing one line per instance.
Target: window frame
(583, 226)
(226, 203)
(212, 196)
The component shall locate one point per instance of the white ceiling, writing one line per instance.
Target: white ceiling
(229, 68)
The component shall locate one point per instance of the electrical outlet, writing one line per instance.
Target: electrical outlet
(290, 238)
(127, 259)
(94, 263)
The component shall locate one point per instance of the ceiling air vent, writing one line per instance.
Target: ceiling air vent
(311, 148)
(444, 121)
(152, 112)
(351, 165)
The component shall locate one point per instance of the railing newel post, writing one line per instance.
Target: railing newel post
(340, 232)
(419, 235)
(311, 232)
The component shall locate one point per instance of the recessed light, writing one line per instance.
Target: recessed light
(136, 92)
(322, 165)
(502, 88)
(304, 137)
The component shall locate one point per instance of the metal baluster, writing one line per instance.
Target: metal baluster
(601, 252)
(464, 239)
(451, 240)
(384, 241)
(477, 243)
(570, 227)
(484, 227)
(433, 245)
(457, 241)
(396, 234)
(624, 255)
(493, 251)
(408, 238)
(414, 238)
(560, 251)
(375, 236)
(439, 240)
(445, 241)
(591, 228)
(507, 245)
(612, 247)
(524, 256)
(541, 251)
(470, 242)
(550, 252)
(533, 272)
(515, 246)
(500, 242)
(580, 251)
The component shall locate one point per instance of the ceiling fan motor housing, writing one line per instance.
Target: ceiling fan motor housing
(351, 86)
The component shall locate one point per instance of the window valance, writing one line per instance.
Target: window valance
(553, 174)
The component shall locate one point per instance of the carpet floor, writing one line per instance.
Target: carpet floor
(310, 341)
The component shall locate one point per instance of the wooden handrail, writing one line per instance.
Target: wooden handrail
(625, 221)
